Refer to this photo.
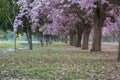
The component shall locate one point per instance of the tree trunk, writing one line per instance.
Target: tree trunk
(66, 39)
(50, 39)
(98, 18)
(74, 40)
(86, 38)
(41, 41)
(47, 39)
(71, 39)
(113, 37)
(29, 37)
(78, 35)
(41, 38)
(119, 48)
(15, 41)
(96, 46)
(30, 42)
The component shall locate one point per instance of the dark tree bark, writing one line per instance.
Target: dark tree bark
(29, 37)
(76, 35)
(51, 38)
(72, 37)
(47, 38)
(15, 47)
(79, 32)
(27, 29)
(86, 34)
(114, 1)
(119, 48)
(96, 46)
(30, 42)
(99, 18)
(85, 41)
(65, 39)
(41, 39)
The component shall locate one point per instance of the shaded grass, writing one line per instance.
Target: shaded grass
(58, 62)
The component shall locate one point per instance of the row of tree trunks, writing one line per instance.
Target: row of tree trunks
(64, 38)
(82, 31)
(75, 39)
(48, 39)
(76, 35)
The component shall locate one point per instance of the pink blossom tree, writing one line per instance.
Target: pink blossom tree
(23, 20)
(69, 17)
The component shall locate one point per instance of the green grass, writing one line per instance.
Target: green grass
(10, 44)
(5, 46)
(59, 62)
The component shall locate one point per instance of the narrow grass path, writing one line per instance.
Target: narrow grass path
(59, 62)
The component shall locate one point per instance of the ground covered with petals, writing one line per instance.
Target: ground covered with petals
(60, 62)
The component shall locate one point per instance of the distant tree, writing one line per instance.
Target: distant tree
(8, 11)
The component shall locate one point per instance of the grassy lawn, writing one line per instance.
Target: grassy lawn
(10, 44)
(59, 62)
